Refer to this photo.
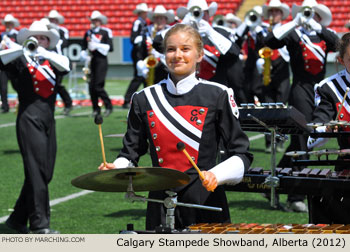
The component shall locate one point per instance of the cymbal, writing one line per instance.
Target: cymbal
(143, 179)
(295, 153)
(314, 125)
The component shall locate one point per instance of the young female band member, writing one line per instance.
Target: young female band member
(199, 113)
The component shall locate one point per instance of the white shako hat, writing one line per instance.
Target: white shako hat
(275, 4)
(321, 9)
(55, 14)
(212, 8)
(38, 28)
(98, 15)
(159, 10)
(9, 18)
(142, 7)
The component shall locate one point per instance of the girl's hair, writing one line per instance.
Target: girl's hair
(343, 43)
(192, 32)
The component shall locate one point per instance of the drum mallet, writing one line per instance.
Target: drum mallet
(181, 147)
(342, 103)
(99, 121)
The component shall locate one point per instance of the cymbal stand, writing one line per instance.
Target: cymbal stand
(272, 180)
(170, 203)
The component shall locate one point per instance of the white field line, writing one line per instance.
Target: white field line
(84, 192)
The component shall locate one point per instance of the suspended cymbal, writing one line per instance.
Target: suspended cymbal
(143, 179)
(314, 125)
(295, 153)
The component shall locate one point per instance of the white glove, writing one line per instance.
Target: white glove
(9, 55)
(222, 43)
(92, 46)
(142, 69)
(314, 25)
(260, 65)
(61, 62)
(100, 47)
(138, 40)
(230, 171)
(7, 43)
(83, 55)
(122, 162)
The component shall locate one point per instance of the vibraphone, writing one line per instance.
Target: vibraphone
(288, 120)
(255, 228)
(308, 181)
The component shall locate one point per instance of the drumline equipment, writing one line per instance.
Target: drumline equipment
(256, 228)
(310, 181)
(275, 119)
(133, 179)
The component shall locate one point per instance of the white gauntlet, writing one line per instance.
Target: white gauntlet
(222, 43)
(230, 171)
(61, 62)
(9, 55)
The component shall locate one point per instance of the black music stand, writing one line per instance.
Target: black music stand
(275, 119)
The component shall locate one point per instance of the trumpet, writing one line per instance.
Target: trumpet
(31, 44)
(307, 12)
(197, 13)
(219, 20)
(252, 18)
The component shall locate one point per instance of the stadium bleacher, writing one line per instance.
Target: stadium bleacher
(119, 12)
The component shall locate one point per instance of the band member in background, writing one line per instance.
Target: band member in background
(160, 18)
(138, 38)
(308, 42)
(181, 95)
(7, 38)
(277, 90)
(232, 21)
(329, 95)
(97, 43)
(56, 19)
(246, 38)
(32, 70)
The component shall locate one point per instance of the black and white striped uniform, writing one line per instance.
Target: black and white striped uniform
(329, 94)
(99, 66)
(197, 113)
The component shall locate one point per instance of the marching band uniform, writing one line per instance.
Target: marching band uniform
(7, 38)
(56, 19)
(278, 88)
(308, 50)
(34, 79)
(161, 71)
(98, 41)
(329, 94)
(138, 38)
(198, 113)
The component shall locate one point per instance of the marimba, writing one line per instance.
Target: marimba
(308, 181)
(255, 228)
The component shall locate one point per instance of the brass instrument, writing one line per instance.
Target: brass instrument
(266, 53)
(151, 61)
(219, 20)
(87, 64)
(252, 18)
(307, 13)
(31, 44)
(197, 13)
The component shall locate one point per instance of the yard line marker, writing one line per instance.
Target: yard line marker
(56, 117)
(84, 192)
(58, 201)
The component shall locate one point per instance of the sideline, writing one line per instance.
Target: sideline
(85, 192)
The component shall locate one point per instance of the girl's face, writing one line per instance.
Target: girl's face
(43, 41)
(181, 55)
(345, 60)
